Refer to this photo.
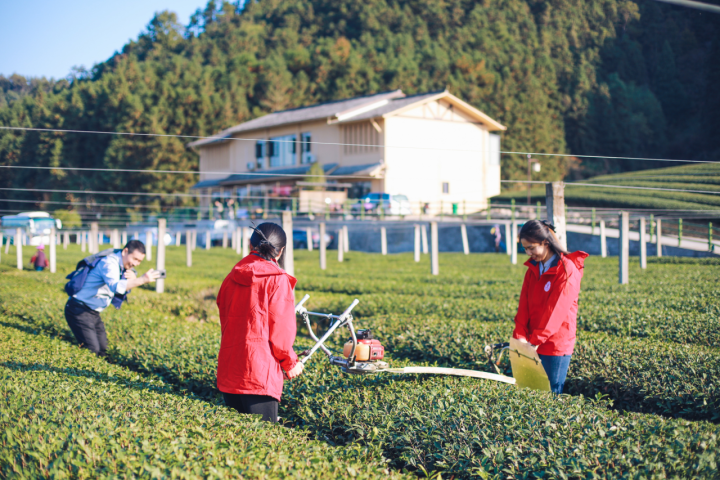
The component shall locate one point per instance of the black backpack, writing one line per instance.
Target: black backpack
(82, 270)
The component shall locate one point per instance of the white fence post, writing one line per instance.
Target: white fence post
(434, 260)
(225, 239)
(341, 245)
(238, 240)
(417, 243)
(514, 241)
(424, 238)
(247, 233)
(178, 238)
(66, 240)
(123, 239)
(188, 248)
(308, 234)
(53, 250)
(383, 240)
(116, 239)
(208, 240)
(508, 238)
(323, 262)
(18, 248)
(643, 245)
(160, 283)
(93, 244)
(287, 221)
(148, 244)
(603, 239)
(624, 248)
(658, 237)
(346, 239)
(463, 234)
(555, 201)
(83, 246)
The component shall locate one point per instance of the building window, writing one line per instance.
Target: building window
(446, 187)
(260, 149)
(281, 151)
(306, 148)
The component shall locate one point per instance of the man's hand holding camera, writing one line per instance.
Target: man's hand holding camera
(133, 281)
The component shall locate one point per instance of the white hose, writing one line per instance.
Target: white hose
(452, 371)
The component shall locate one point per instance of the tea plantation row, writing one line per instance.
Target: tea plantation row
(464, 427)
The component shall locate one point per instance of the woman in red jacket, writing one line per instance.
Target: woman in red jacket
(547, 313)
(257, 318)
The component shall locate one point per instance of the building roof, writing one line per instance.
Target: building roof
(262, 176)
(359, 108)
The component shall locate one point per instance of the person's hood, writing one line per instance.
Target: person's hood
(41, 247)
(577, 258)
(256, 269)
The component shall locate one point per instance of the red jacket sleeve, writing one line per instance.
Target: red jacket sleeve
(523, 315)
(282, 325)
(556, 312)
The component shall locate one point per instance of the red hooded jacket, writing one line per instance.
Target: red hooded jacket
(547, 313)
(257, 318)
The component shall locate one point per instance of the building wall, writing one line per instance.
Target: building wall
(439, 145)
(214, 158)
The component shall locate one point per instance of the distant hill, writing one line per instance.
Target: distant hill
(703, 177)
(608, 77)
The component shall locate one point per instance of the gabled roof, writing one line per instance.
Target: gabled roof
(383, 105)
(262, 176)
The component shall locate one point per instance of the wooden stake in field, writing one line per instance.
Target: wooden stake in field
(123, 240)
(148, 245)
(188, 248)
(658, 238)
(53, 250)
(624, 248)
(417, 243)
(177, 238)
(346, 239)
(287, 223)
(383, 240)
(193, 240)
(116, 239)
(603, 239)
(513, 241)
(66, 240)
(208, 240)
(225, 239)
(424, 238)
(463, 234)
(82, 241)
(238, 240)
(555, 201)
(160, 265)
(247, 233)
(308, 234)
(643, 245)
(434, 249)
(323, 262)
(18, 248)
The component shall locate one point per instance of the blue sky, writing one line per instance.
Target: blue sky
(47, 38)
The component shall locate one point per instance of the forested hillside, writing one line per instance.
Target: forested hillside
(609, 77)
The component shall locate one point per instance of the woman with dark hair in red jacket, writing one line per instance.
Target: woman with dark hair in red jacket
(547, 313)
(257, 318)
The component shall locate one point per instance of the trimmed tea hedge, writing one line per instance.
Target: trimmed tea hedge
(66, 414)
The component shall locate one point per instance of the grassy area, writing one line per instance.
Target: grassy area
(702, 177)
(643, 395)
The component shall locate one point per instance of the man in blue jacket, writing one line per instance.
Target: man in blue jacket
(112, 278)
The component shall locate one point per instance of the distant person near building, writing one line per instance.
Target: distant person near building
(105, 278)
(39, 260)
(499, 244)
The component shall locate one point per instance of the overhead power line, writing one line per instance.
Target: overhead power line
(602, 185)
(410, 147)
(696, 5)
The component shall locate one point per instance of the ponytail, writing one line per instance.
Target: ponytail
(267, 240)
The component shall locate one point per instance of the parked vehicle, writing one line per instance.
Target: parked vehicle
(36, 225)
(300, 240)
(392, 204)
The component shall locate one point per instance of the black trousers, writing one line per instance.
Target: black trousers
(253, 405)
(86, 325)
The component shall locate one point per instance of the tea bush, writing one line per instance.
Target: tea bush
(66, 414)
(414, 420)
